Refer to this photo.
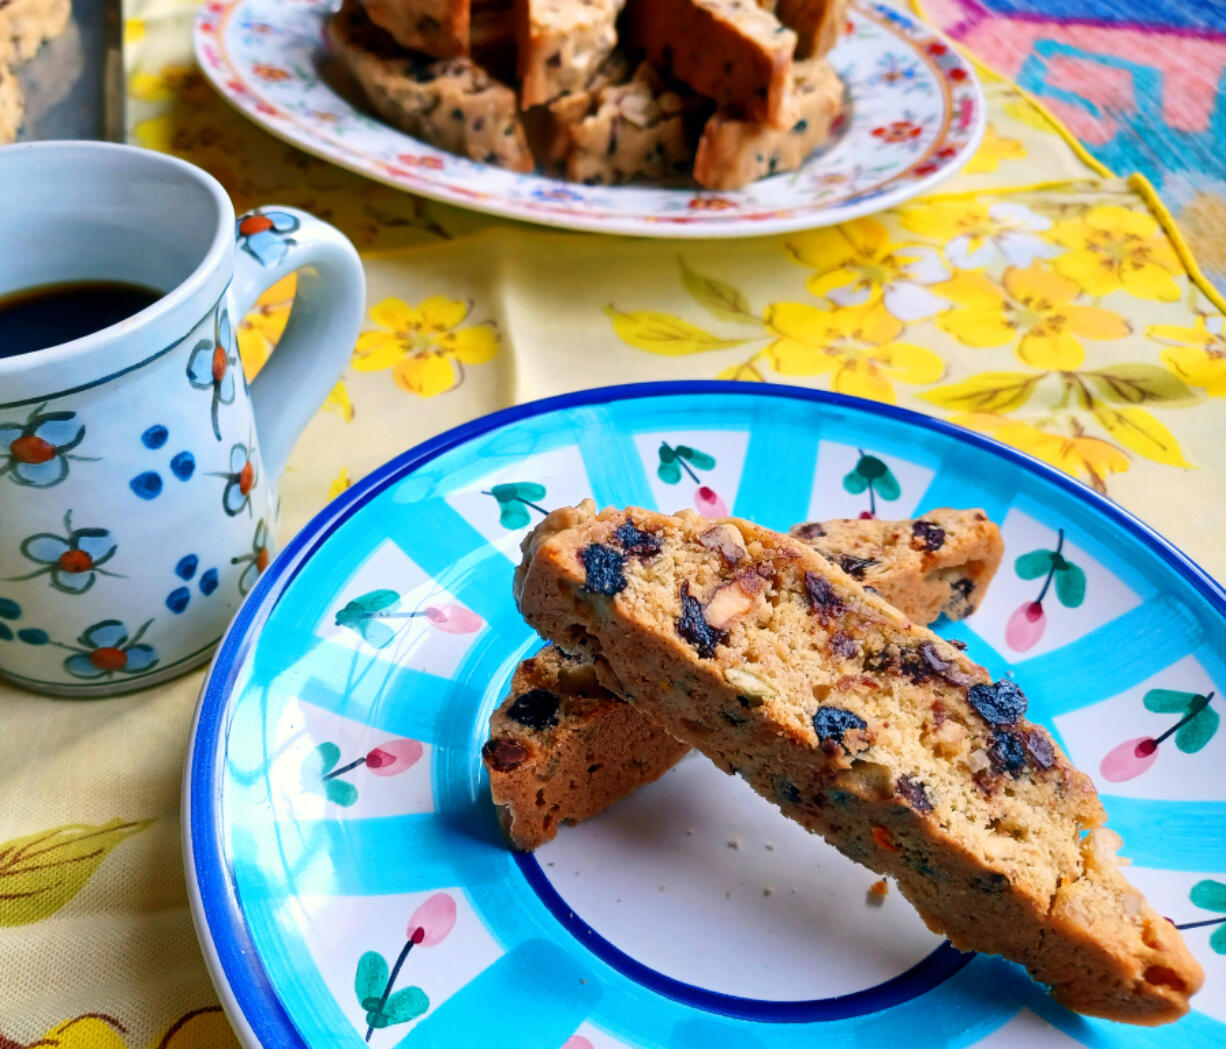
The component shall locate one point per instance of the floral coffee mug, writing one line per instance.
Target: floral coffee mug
(138, 470)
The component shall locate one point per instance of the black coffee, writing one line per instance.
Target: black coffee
(35, 318)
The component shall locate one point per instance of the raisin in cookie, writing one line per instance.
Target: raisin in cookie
(546, 785)
(868, 730)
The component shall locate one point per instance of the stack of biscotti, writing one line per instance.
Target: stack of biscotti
(864, 728)
(24, 26)
(562, 749)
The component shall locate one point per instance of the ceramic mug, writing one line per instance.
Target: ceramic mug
(138, 469)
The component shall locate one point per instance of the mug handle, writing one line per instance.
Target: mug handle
(273, 242)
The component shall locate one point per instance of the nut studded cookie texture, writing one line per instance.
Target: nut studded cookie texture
(561, 44)
(868, 730)
(546, 783)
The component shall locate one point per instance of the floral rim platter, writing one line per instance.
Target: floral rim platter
(347, 876)
(915, 116)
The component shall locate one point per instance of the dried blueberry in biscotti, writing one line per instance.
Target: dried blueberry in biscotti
(871, 719)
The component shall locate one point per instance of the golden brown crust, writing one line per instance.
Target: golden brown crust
(440, 28)
(730, 50)
(561, 44)
(817, 23)
(868, 730)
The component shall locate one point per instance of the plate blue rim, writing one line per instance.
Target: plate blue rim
(251, 1001)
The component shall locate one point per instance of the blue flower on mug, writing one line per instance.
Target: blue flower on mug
(255, 562)
(240, 479)
(212, 365)
(264, 235)
(35, 453)
(107, 649)
(74, 560)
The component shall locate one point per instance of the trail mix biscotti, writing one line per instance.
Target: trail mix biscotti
(439, 28)
(939, 563)
(817, 23)
(562, 748)
(866, 729)
(568, 110)
(451, 103)
(536, 787)
(732, 51)
(734, 152)
(641, 129)
(561, 43)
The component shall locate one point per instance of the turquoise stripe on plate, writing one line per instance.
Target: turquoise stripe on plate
(1109, 660)
(533, 997)
(372, 857)
(1169, 835)
(783, 444)
(612, 461)
(458, 557)
(1194, 1031)
(967, 479)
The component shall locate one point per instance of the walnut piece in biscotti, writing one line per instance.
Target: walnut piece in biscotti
(989, 831)
(439, 28)
(544, 783)
(732, 51)
(733, 152)
(26, 24)
(818, 24)
(939, 563)
(644, 128)
(561, 44)
(561, 747)
(450, 103)
(12, 105)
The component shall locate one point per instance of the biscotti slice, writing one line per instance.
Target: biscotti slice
(12, 105)
(640, 129)
(439, 28)
(450, 103)
(562, 748)
(866, 729)
(730, 50)
(817, 23)
(561, 43)
(941, 562)
(26, 24)
(527, 783)
(568, 110)
(734, 152)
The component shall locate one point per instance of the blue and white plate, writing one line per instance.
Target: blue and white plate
(349, 883)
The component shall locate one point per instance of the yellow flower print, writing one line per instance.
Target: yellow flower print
(338, 401)
(858, 265)
(1075, 453)
(259, 331)
(1197, 354)
(1113, 248)
(1036, 305)
(992, 150)
(976, 235)
(854, 344)
(424, 345)
(339, 483)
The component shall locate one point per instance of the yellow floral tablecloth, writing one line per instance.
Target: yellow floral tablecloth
(1036, 298)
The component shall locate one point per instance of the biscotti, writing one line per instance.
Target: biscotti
(562, 748)
(527, 786)
(817, 23)
(733, 152)
(450, 103)
(732, 51)
(939, 563)
(439, 28)
(561, 43)
(866, 729)
(12, 105)
(566, 112)
(640, 129)
(26, 24)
